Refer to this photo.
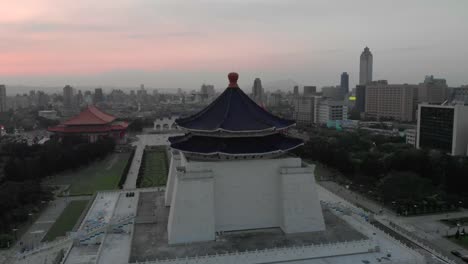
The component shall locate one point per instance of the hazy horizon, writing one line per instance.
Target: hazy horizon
(181, 44)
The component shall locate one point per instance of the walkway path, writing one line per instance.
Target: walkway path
(419, 225)
(36, 232)
(143, 141)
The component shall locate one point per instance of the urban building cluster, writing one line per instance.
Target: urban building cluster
(371, 100)
(435, 113)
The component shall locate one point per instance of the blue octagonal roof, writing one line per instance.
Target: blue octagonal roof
(233, 111)
(206, 145)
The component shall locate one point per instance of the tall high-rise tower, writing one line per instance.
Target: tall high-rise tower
(3, 107)
(345, 83)
(257, 91)
(365, 69)
(68, 96)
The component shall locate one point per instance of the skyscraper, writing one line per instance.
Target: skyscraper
(257, 91)
(365, 67)
(296, 90)
(98, 95)
(68, 96)
(3, 98)
(360, 98)
(345, 83)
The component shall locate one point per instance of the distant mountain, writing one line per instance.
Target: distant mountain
(284, 85)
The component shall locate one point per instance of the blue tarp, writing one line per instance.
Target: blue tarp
(235, 145)
(233, 111)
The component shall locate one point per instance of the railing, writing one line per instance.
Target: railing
(45, 246)
(364, 217)
(408, 235)
(277, 254)
(416, 240)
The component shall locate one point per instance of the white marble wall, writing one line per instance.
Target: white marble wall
(247, 194)
(191, 218)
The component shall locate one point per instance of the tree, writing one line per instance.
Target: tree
(405, 186)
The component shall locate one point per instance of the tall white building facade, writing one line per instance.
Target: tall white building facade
(310, 110)
(330, 110)
(365, 67)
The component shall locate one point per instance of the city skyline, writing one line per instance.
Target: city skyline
(179, 45)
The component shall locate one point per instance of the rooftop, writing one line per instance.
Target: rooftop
(271, 144)
(233, 111)
(90, 116)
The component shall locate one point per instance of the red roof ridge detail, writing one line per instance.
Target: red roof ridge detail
(91, 116)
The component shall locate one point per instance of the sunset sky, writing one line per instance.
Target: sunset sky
(183, 43)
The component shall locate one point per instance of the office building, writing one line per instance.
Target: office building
(257, 92)
(360, 98)
(365, 67)
(274, 99)
(68, 96)
(432, 90)
(305, 110)
(443, 127)
(333, 92)
(330, 110)
(410, 137)
(3, 98)
(392, 101)
(310, 90)
(207, 90)
(296, 90)
(98, 95)
(344, 84)
(459, 95)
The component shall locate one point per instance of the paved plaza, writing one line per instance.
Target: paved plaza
(426, 228)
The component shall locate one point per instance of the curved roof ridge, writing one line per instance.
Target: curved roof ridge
(250, 103)
(100, 114)
(90, 116)
(226, 112)
(233, 111)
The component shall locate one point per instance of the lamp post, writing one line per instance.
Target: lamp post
(14, 232)
(30, 216)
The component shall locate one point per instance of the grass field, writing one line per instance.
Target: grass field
(155, 169)
(462, 241)
(66, 220)
(100, 175)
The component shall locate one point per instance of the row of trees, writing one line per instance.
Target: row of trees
(390, 170)
(21, 193)
(38, 161)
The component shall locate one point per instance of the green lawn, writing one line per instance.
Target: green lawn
(462, 241)
(100, 175)
(155, 168)
(66, 220)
